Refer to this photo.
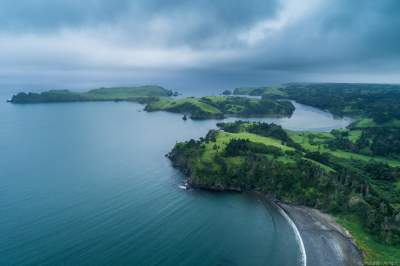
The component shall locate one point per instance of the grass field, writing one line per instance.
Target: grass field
(374, 252)
(354, 135)
(314, 142)
(272, 91)
(226, 137)
(168, 104)
(369, 122)
(126, 92)
(223, 138)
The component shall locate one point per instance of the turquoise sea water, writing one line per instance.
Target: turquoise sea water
(88, 184)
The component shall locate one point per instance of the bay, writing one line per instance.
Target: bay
(88, 184)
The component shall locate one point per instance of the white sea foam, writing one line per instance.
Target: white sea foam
(297, 234)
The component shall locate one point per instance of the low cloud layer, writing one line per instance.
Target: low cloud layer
(216, 42)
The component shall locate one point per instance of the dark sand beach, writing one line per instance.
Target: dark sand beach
(325, 242)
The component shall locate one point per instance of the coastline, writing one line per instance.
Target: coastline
(297, 233)
(321, 239)
(325, 241)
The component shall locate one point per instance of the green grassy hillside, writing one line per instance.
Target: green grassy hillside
(138, 94)
(270, 91)
(188, 106)
(221, 106)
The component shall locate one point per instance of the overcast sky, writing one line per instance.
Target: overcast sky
(197, 43)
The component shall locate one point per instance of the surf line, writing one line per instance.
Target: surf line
(299, 240)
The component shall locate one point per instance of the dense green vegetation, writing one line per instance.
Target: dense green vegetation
(299, 167)
(142, 94)
(375, 252)
(191, 106)
(271, 91)
(221, 106)
(378, 102)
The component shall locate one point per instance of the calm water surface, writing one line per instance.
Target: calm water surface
(88, 183)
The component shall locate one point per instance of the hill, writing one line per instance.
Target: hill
(137, 94)
(218, 107)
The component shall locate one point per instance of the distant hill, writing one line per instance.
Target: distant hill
(137, 94)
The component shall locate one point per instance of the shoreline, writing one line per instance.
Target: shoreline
(269, 201)
(325, 241)
(297, 233)
(322, 241)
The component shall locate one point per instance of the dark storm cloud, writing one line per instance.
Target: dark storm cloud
(373, 26)
(44, 15)
(210, 16)
(359, 35)
(246, 39)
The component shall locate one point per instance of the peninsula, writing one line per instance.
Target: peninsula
(352, 173)
(141, 94)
